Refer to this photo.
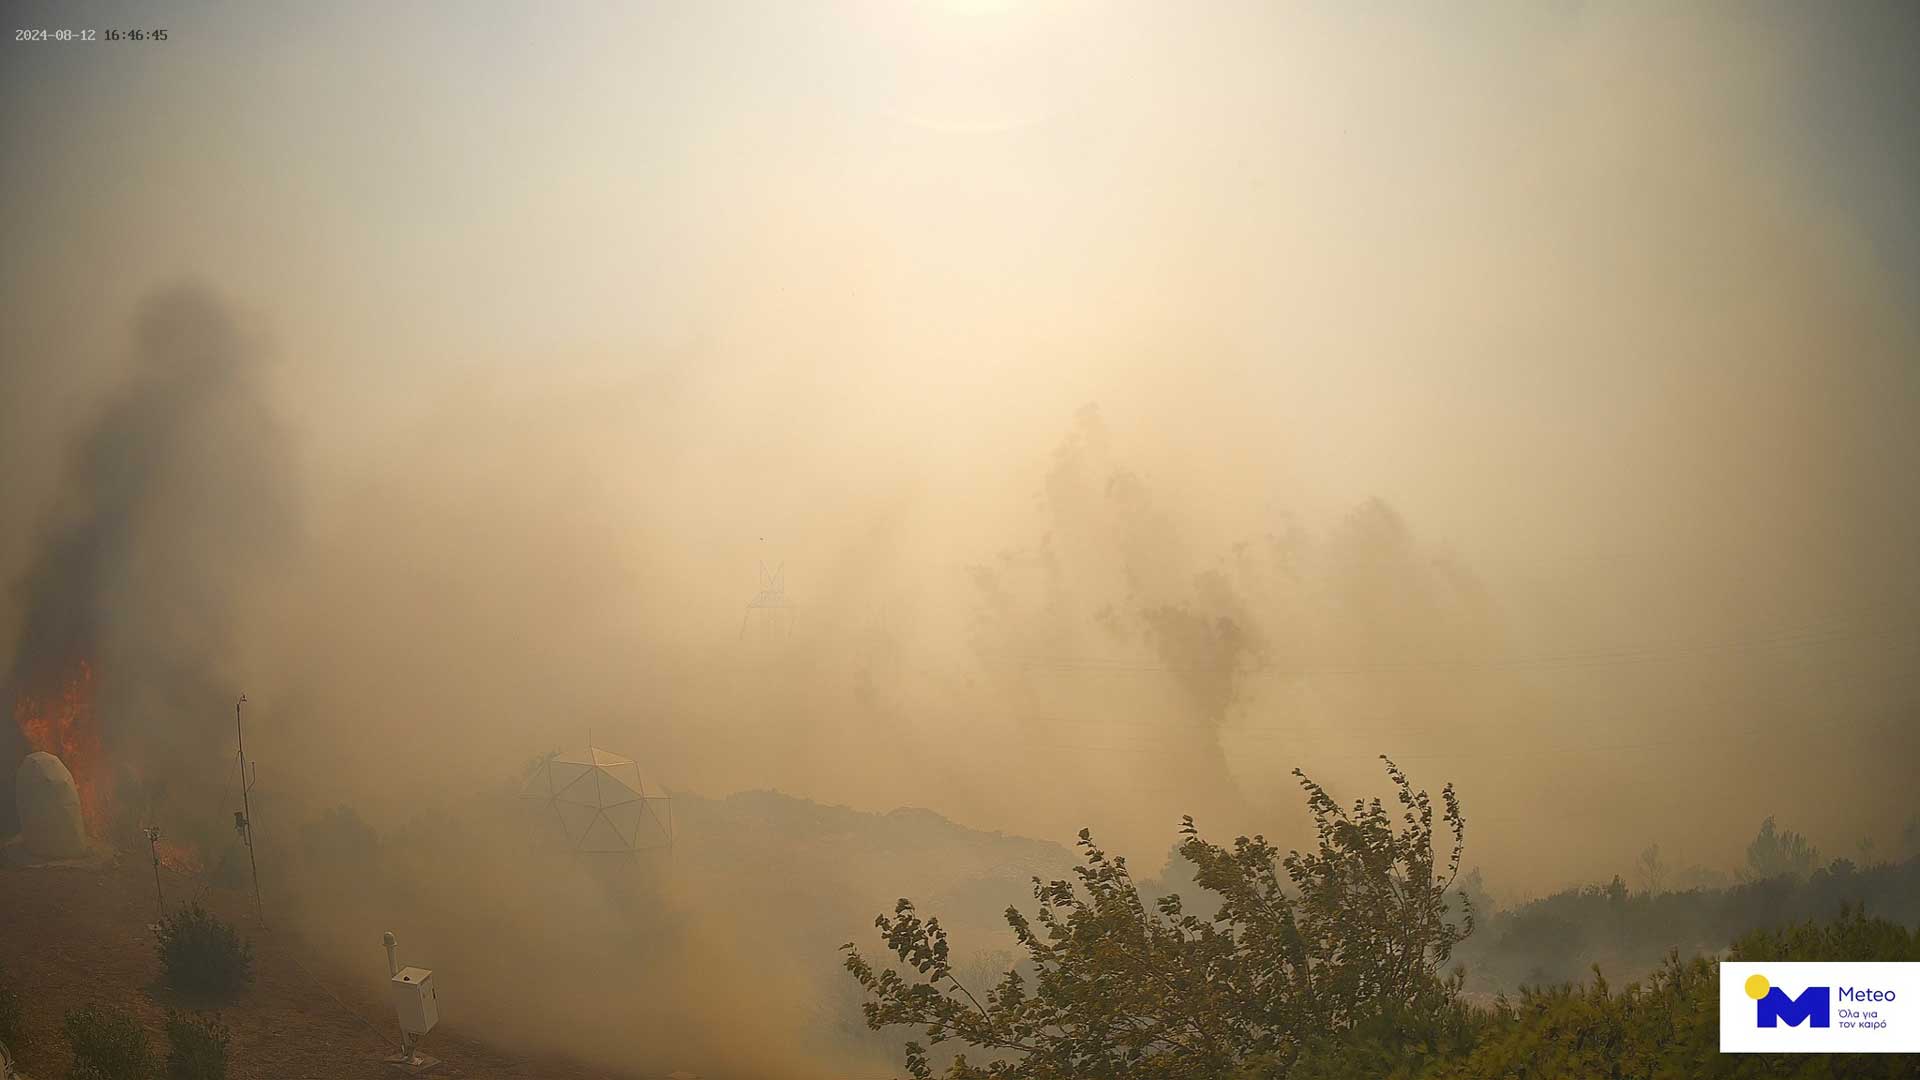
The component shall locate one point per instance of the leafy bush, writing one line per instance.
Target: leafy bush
(108, 1044)
(202, 954)
(1299, 949)
(1558, 938)
(1851, 937)
(197, 1048)
(1668, 1026)
(1327, 966)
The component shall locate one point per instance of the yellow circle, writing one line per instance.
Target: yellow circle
(1757, 986)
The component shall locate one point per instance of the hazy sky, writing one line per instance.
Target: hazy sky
(575, 312)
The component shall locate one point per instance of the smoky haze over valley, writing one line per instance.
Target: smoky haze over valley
(1141, 402)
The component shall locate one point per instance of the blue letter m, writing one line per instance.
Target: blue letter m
(1813, 1007)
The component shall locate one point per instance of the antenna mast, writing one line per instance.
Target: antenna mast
(243, 820)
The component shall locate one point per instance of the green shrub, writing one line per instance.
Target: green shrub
(197, 1048)
(108, 1044)
(1667, 1025)
(1854, 936)
(1558, 938)
(1294, 949)
(202, 954)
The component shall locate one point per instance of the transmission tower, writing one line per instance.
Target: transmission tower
(769, 614)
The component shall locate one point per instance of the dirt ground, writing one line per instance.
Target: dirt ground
(74, 935)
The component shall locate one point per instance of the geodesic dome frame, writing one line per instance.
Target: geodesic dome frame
(598, 802)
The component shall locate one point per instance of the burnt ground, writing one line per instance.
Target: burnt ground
(77, 935)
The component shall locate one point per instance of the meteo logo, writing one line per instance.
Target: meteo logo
(1814, 1007)
(1772, 1006)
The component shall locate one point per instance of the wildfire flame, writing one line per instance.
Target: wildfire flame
(63, 724)
(178, 857)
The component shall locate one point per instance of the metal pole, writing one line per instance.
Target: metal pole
(393, 969)
(246, 809)
(153, 845)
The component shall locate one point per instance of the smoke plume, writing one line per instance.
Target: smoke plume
(173, 497)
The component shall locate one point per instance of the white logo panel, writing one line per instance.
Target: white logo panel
(1819, 1008)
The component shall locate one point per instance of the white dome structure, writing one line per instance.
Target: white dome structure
(49, 805)
(596, 803)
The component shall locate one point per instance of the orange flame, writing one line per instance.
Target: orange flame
(65, 726)
(178, 857)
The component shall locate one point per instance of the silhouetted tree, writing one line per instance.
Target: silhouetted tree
(1775, 852)
(1653, 869)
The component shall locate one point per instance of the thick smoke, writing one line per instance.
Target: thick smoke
(174, 495)
(1611, 311)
